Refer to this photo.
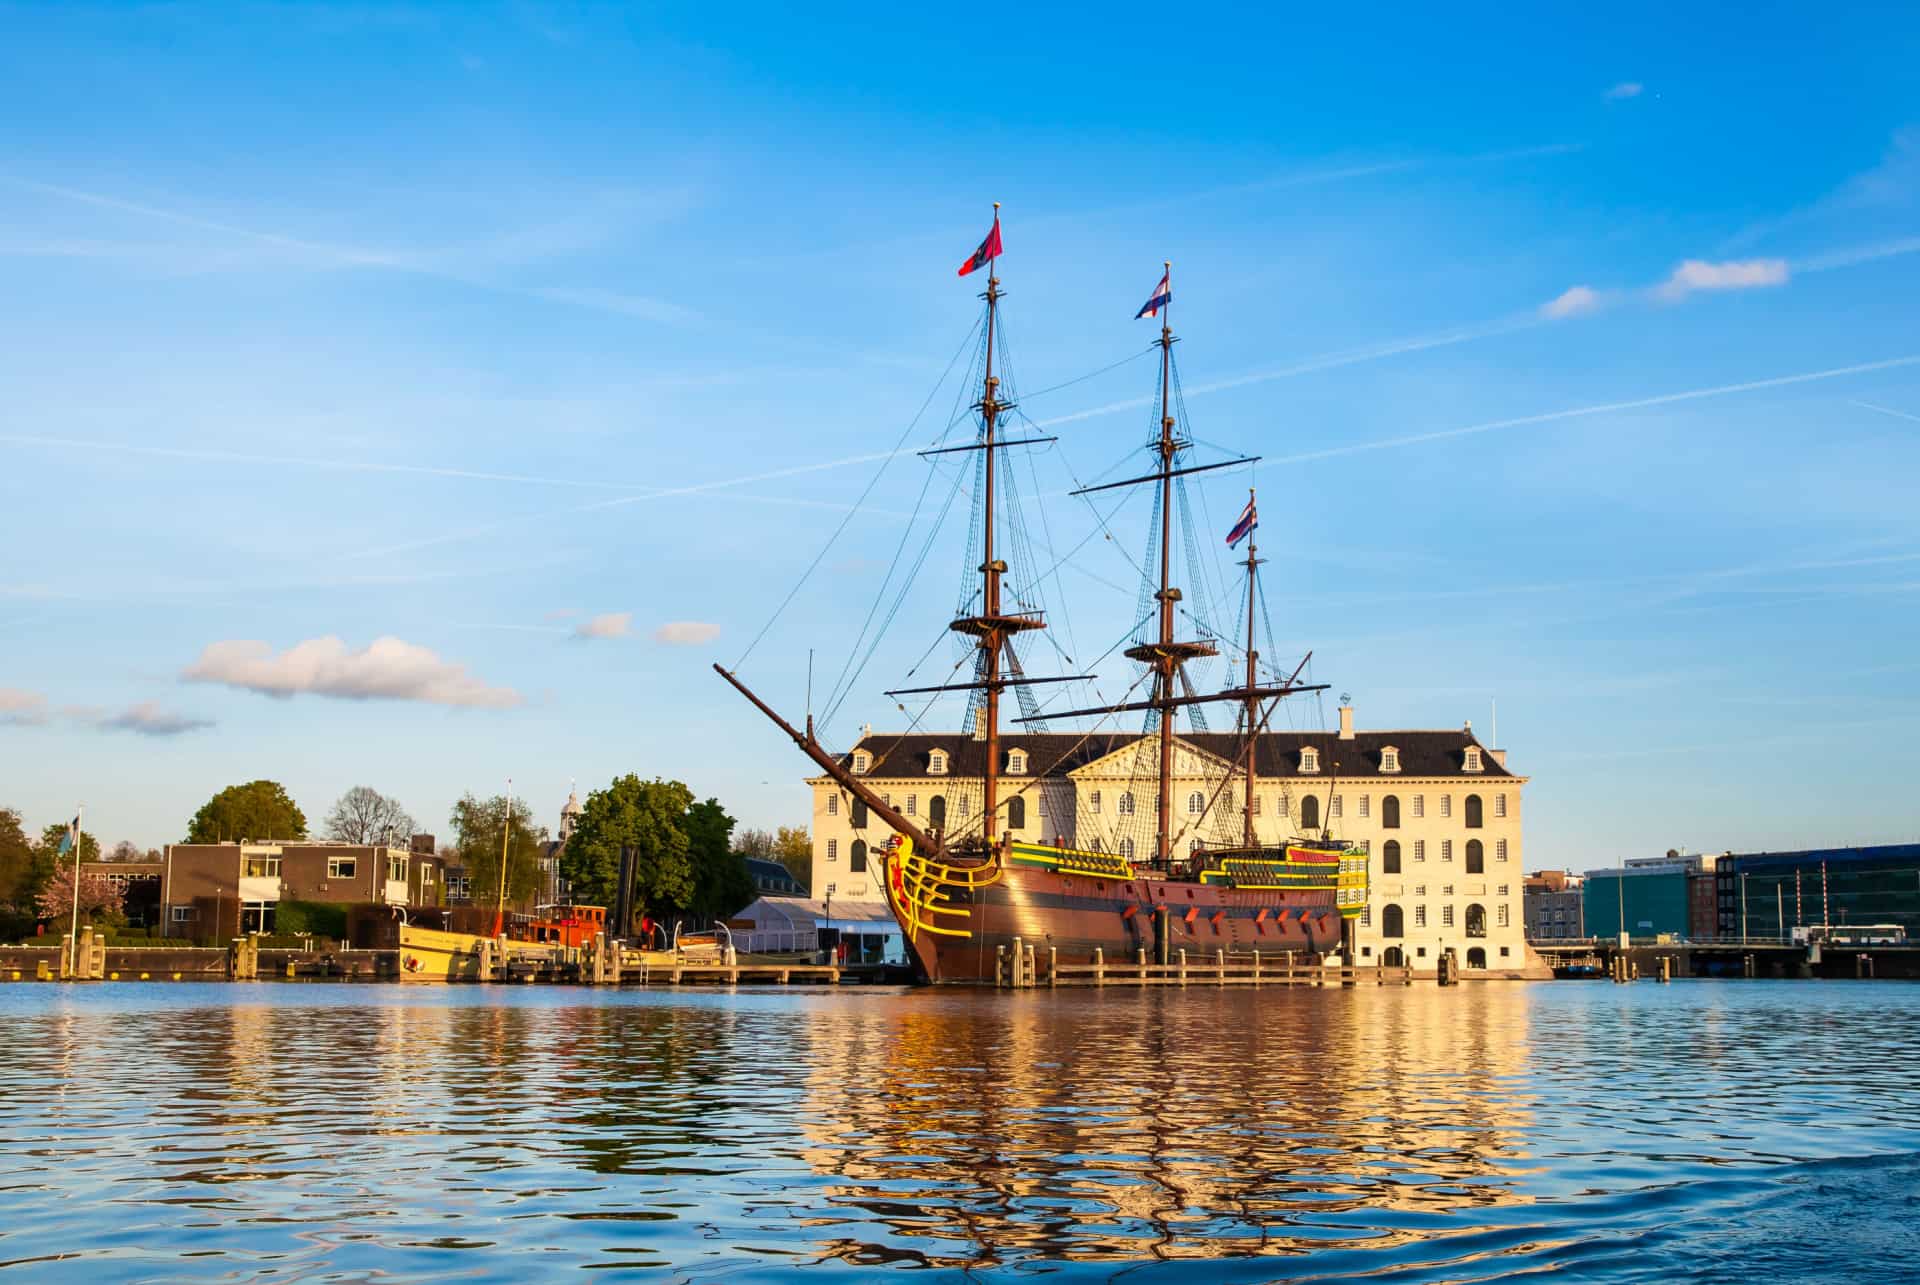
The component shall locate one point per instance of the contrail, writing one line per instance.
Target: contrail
(1606, 408)
(624, 500)
(1350, 357)
(1888, 410)
(289, 461)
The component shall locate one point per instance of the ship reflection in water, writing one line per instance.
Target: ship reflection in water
(1480, 1133)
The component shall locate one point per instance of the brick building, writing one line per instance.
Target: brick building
(224, 889)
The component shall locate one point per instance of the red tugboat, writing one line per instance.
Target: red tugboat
(963, 889)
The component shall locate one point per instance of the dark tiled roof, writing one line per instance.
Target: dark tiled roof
(1422, 753)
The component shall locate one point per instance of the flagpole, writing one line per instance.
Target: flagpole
(73, 933)
(506, 833)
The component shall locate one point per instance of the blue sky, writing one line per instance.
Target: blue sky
(1580, 349)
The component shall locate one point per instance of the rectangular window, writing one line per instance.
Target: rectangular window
(1446, 849)
(1419, 849)
(1500, 914)
(180, 914)
(1500, 849)
(1446, 890)
(1503, 889)
(1446, 916)
(396, 868)
(1446, 805)
(1420, 919)
(833, 851)
(1366, 916)
(913, 802)
(1093, 802)
(1256, 804)
(1040, 803)
(340, 867)
(1419, 805)
(1282, 809)
(263, 867)
(833, 805)
(1419, 890)
(1499, 805)
(1336, 805)
(1363, 806)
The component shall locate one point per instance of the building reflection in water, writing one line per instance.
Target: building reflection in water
(1126, 1124)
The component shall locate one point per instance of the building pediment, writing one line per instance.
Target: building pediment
(1140, 758)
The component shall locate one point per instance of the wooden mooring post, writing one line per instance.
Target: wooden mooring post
(1099, 966)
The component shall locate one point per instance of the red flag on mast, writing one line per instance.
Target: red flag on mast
(989, 248)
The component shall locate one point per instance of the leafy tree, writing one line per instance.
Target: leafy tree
(98, 897)
(21, 869)
(794, 850)
(478, 825)
(256, 810)
(649, 816)
(364, 815)
(721, 884)
(54, 835)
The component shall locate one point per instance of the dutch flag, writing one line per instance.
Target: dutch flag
(1244, 527)
(1162, 296)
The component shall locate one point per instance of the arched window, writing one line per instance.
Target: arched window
(859, 815)
(1016, 813)
(1390, 812)
(1393, 957)
(1476, 957)
(937, 810)
(1476, 857)
(1390, 858)
(1477, 921)
(1126, 804)
(1473, 812)
(1126, 848)
(1310, 812)
(1393, 921)
(1196, 803)
(857, 857)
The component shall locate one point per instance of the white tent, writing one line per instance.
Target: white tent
(795, 923)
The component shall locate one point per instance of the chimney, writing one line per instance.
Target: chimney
(980, 724)
(1498, 756)
(1346, 722)
(866, 730)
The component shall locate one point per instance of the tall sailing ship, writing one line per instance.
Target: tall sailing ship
(959, 883)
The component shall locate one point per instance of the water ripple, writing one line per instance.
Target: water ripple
(1700, 1130)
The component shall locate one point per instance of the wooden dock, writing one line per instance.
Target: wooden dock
(1024, 966)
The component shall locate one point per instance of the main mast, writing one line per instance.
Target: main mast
(1253, 701)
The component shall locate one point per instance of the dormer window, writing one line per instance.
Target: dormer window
(1309, 759)
(1016, 762)
(937, 763)
(1390, 759)
(862, 762)
(1473, 759)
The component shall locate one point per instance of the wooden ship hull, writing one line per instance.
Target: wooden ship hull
(960, 920)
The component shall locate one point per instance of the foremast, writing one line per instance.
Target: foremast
(993, 628)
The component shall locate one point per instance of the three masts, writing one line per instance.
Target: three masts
(993, 629)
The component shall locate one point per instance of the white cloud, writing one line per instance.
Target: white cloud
(615, 624)
(1735, 274)
(1576, 302)
(148, 719)
(21, 709)
(1625, 89)
(686, 633)
(387, 669)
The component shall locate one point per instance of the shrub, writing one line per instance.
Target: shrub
(310, 918)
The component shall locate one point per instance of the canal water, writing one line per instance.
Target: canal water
(1736, 1131)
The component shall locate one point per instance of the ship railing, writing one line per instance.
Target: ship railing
(1024, 965)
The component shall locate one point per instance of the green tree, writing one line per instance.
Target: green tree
(21, 870)
(477, 828)
(794, 850)
(256, 810)
(721, 884)
(649, 816)
(51, 839)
